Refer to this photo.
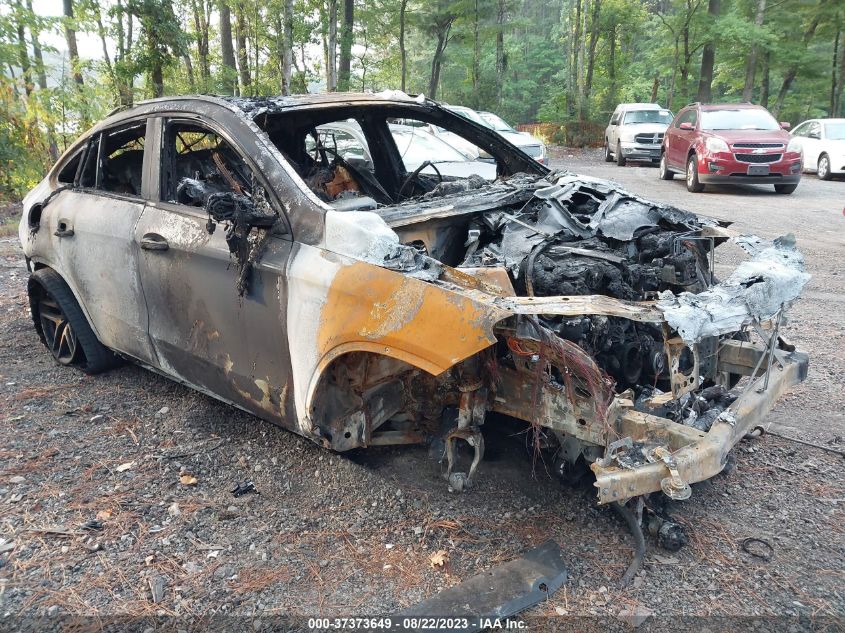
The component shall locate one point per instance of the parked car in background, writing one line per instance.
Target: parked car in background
(823, 144)
(737, 143)
(528, 143)
(635, 132)
(418, 149)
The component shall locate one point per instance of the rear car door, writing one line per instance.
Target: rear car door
(92, 224)
(204, 332)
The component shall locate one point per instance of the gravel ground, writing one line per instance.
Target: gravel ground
(353, 534)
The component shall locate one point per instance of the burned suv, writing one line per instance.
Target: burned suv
(229, 245)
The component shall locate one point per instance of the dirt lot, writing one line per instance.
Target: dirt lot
(353, 534)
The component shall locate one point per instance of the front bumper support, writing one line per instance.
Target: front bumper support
(697, 455)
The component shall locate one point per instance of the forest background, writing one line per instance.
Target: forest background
(65, 64)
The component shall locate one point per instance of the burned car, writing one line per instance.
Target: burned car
(222, 243)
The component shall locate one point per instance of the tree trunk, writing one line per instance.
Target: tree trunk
(345, 64)
(23, 50)
(437, 60)
(654, 86)
(243, 58)
(476, 56)
(331, 47)
(230, 73)
(834, 75)
(764, 84)
(402, 54)
(201, 24)
(287, 53)
(500, 50)
(591, 54)
(70, 38)
(39, 56)
(790, 75)
(611, 66)
(837, 104)
(670, 90)
(575, 75)
(751, 63)
(708, 56)
(189, 67)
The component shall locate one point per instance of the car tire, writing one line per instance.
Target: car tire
(607, 156)
(62, 326)
(786, 188)
(620, 158)
(665, 173)
(823, 171)
(693, 185)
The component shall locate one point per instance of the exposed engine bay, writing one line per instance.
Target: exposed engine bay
(589, 313)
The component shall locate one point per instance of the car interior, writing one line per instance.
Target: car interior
(345, 178)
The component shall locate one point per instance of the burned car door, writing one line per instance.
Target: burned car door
(216, 289)
(91, 225)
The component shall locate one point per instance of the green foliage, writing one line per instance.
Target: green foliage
(566, 63)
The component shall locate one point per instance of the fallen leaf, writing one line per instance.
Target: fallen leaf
(104, 515)
(124, 467)
(439, 558)
(188, 480)
(561, 611)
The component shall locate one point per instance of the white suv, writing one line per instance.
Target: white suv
(635, 132)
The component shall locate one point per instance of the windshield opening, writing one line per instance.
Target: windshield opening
(739, 119)
(647, 116)
(496, 122)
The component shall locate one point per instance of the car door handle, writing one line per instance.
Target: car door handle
(63, 230)
(154, 242)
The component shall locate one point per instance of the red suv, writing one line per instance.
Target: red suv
(730, 143)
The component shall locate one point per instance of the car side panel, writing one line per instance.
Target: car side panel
(204, 333)
(99, 262)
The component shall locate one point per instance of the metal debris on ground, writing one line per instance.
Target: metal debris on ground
(243, 488)
(500, 592)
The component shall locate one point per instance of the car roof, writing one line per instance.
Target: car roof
(642, 106)
(729, 106)
(275, 104)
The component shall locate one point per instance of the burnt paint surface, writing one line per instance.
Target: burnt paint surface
(400, 316)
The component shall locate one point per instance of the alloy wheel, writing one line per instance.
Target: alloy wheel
(58, 334)
(824, 167)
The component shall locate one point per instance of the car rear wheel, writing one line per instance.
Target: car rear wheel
(785, 188)
(620, 158)
(607, 157)
(824, 172)
(692, 176)
(665, 172)
(62, 326)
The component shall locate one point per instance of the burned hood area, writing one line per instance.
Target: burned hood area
(590, 314)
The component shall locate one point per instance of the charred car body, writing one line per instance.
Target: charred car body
(212, 241)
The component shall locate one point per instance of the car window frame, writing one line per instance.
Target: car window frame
(160, 122)
(692, 113)
(798, 131)
(97, 137)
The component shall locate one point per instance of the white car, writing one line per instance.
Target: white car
(823, 143)
(635, 132)
(529, 144)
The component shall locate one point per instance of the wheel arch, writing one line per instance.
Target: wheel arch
(40, 263)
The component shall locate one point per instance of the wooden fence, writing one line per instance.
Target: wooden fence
(570, 134)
